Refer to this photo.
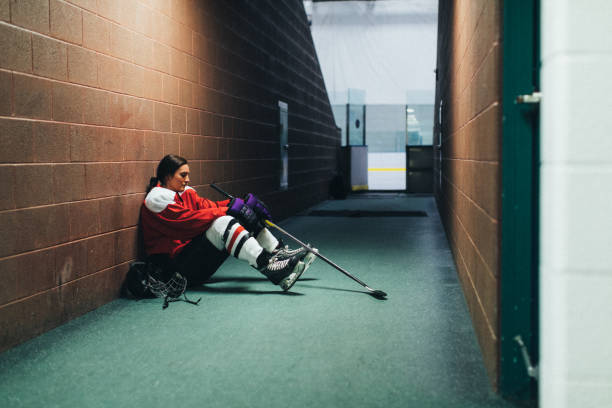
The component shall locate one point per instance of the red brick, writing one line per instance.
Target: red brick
(130, 208)
(195, 166)
(153, 85)
(185, 93)
(40, 192)
(199, 97)
(110, 214)
(49, 58)
(161, 5)
(193, 121)
(126, 245)
(122, 110)
(96, 144)
(170, 89)
(82, 66)
(6, 93)
(110, 73)
(211, 171)
(217, 149)
(5, 10)
(187, 147)
(161, 57)
(199, 45)
(179, 119)
(9, 290)
(82, 142)
(135, 176)
(69, 182)
(121, 42)
(41, 227)
(143, 50)
(193, 69)
(16, 140)
(199, 144)
(163, 121)
(66, 22)
(144, 115)
(90, 5)
(51, 143)
(180, 37)
(96, 33)
(91, 292)
(162, 24)
(205, 123)
(134, 145)
(7, 186)
(205, 76)
(178, 64)
(67, 103)
(141, 20)
(15, 49)
(179, 11)
(112, 144)
(32, 273)
(103, 180)
(133, 80)
(100, 253)
(487, 83)
(20, 321)
(171, 143)
(96, 107)
(32, 14)
(228, 128)
(111, 9)
(84, 219)
(70, 261)
(8, 228)
(32, 97)
(154, 146)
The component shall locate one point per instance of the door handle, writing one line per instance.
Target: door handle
(535, 97)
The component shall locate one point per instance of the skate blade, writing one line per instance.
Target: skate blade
(288, 282)
(309, 258)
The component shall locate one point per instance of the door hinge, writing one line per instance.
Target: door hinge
(532, 370)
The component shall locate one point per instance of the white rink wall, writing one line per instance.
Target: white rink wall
(386, 171)
(576, 204)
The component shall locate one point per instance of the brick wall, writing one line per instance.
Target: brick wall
(467, 165)
(94, 93)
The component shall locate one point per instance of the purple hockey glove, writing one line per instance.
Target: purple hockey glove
(258, 206)
(245, 215)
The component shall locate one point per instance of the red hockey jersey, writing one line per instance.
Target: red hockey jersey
(170, 220)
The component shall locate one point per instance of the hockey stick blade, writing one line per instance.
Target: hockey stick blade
(379, 294)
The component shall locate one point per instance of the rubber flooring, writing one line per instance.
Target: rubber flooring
(327, 343)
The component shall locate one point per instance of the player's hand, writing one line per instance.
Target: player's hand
(245, 215)
(260, 208)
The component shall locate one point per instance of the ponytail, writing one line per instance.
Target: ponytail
(152, 183)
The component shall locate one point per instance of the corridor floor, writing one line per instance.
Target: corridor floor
(247, 344)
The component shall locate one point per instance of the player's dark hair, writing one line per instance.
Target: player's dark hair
(166, 167)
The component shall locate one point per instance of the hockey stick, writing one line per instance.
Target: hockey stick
(374, 292)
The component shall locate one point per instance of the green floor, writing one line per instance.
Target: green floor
(326, 344)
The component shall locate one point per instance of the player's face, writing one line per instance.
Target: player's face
(179, 180)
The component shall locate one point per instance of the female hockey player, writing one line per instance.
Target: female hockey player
(188, 234)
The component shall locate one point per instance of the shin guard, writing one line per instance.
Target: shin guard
(226, 233)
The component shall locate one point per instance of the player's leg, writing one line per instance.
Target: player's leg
(227, 234)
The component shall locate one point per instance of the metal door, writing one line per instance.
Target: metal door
(520, 178)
